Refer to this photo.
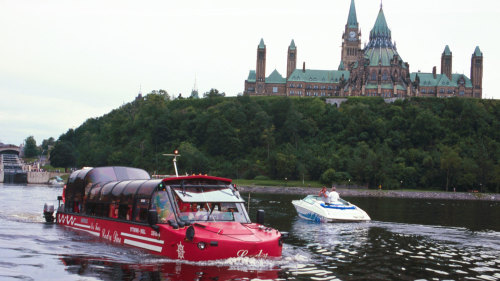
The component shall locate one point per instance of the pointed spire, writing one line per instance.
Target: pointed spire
(447, 51)
(380, 29)
(352, 20)
(477, 52)
(292, 45)
(261, 44)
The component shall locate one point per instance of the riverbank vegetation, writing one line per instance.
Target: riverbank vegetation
(419, 143)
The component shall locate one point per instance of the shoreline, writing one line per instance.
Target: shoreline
(344, 192)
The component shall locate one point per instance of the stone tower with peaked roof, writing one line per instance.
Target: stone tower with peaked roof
(261, 69)
(476, 73)
(291, 59)
(351, 40)
(447, 62)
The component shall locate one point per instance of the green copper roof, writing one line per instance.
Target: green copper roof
(477, 52)
(457, 77)
(341, 66)
(380, 49)
(292, 45)
(275, 78)
(441, 80)
(261, 44)
(251, 76)
(447, 51)
(383, 55)
(380, 29)
(318, 76)
(352, 20)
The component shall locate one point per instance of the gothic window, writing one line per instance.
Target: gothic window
(461, 93)
(384, 76)
(374, 75)
(275, 89)
(441, 91)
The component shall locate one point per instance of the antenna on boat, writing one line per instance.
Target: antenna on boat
(175, 155)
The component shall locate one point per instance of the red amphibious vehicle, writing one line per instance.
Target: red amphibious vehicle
(188, 217)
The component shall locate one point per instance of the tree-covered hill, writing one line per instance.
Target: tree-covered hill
(424, 143)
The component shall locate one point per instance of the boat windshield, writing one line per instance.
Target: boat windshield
(212, 211)
(209, 203)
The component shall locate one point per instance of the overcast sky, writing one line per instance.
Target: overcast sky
(64, 61)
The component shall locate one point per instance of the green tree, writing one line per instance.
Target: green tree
(328, 177)
(284, 166)
(63, 155)
(30, 148)
(450, 163)
(214, 93)
(48, 142)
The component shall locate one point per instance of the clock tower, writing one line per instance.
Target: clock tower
(351, 39)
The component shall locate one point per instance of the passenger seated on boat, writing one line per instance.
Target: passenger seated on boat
(183, 207)
(129, 212)
(333, 196)
(113, 210)
(194, 207)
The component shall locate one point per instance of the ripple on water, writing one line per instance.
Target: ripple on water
(397, 251)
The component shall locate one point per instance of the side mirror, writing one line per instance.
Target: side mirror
(260, 217)
(152, 217)
(190, 233)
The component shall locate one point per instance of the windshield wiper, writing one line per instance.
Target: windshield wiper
(211, 211)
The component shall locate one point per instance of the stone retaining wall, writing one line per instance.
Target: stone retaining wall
(41, 177)
(376, 193)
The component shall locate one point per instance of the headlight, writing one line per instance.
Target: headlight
(202, 245)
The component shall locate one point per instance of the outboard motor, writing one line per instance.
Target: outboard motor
(48, 212)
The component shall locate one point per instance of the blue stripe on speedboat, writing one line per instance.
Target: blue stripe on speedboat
(337, 207)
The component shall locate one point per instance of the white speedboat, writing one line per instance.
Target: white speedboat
(315, 209)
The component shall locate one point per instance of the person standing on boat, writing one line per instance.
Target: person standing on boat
(333, 196)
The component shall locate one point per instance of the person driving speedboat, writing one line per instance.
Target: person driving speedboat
(333, 196)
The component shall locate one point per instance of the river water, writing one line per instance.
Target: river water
(407, 239)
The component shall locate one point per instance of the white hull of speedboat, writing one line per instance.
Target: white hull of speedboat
(314, 209)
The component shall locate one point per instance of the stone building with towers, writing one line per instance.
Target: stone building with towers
(377, 69)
